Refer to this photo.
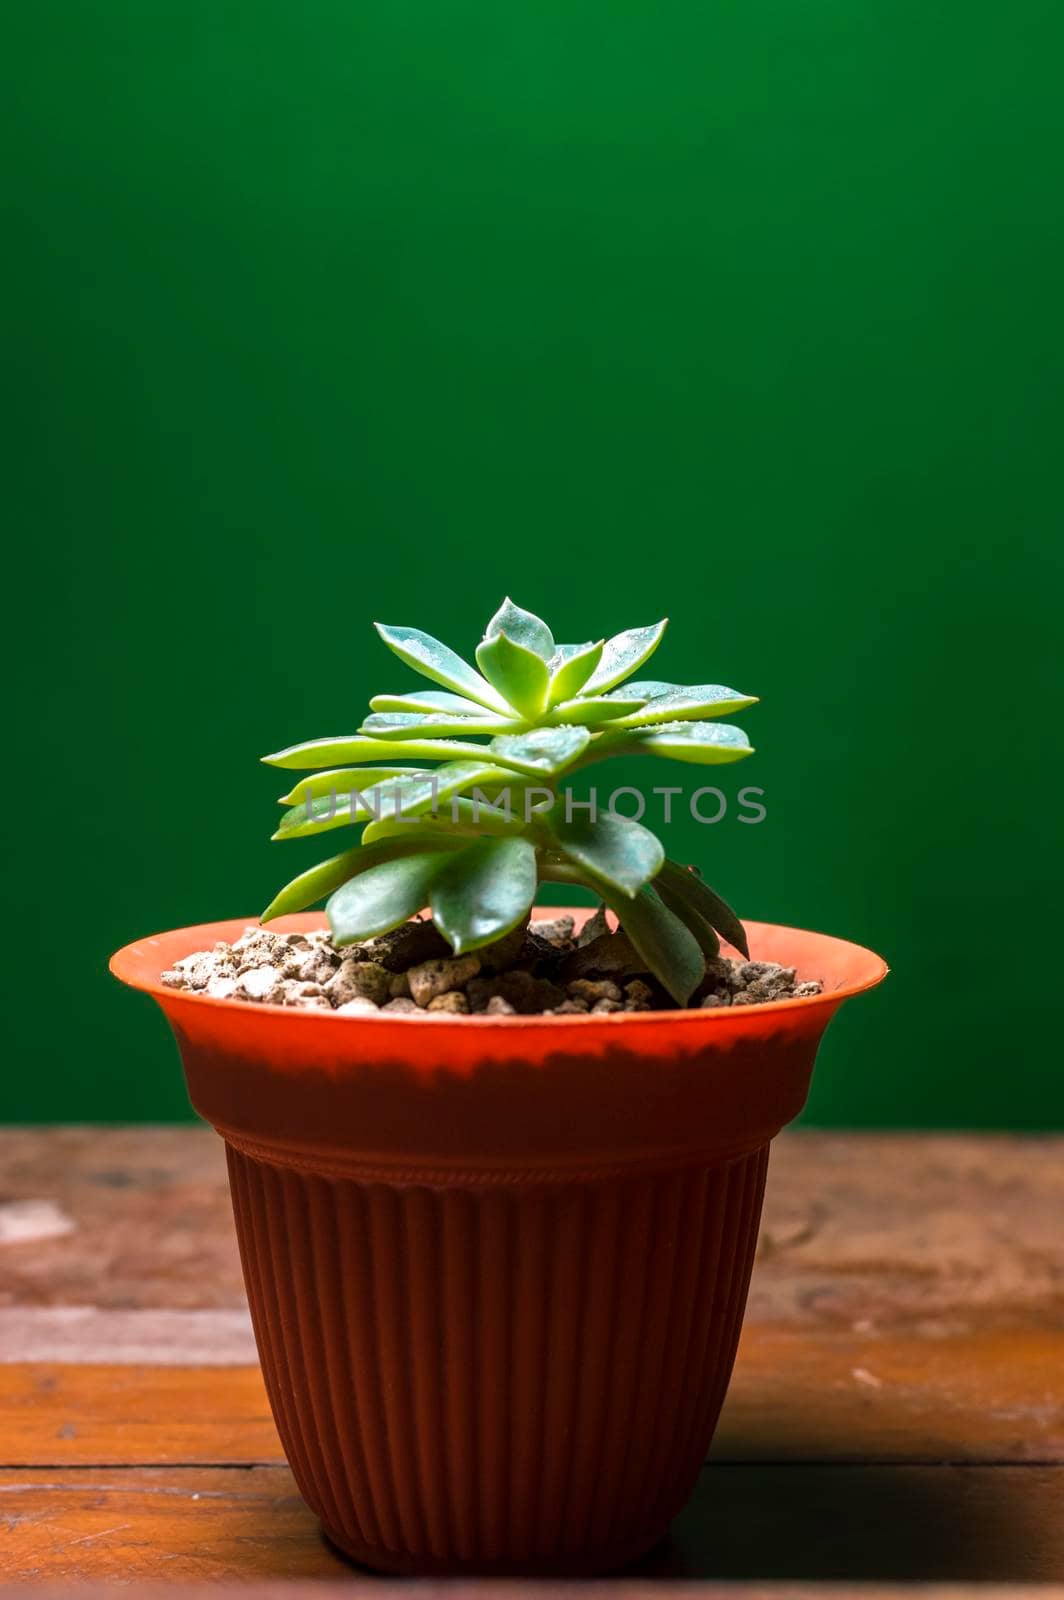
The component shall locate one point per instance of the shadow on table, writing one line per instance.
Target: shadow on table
(889, 1522)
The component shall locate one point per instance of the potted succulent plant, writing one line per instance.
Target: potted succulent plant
(497, 1187)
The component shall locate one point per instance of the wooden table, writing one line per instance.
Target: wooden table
(897, 1410)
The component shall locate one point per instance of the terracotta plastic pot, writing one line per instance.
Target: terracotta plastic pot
(497, 1266)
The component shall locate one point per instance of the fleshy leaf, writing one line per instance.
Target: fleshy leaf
(523, 627)
(469, 818)
(321, 815)
(428, 700)
(484, 892)
(519, 674)
(345, 780)
(435, 724)
(438, 662)
(708, 942)
(570, 667)
(707, 902)
(312, 885)
(415, 797)
(668, 947)
(645, 689)
(684, 704)
(583, 713)
(407, 796)
(615, 851)
(544, 750)
(706, 743)
(339, 751)
(384, 896)
(622, 654)
(328, 876)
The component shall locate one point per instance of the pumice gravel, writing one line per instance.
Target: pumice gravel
(541, 969)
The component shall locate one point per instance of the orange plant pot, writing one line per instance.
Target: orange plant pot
(497, 1266)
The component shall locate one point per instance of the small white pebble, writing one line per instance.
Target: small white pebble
(222, 987)
(259, 982)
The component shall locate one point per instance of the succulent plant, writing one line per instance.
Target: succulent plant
(470, 821)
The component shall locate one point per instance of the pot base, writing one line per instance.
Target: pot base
(582, 1564)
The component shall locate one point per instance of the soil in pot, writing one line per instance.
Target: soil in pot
(545, 968)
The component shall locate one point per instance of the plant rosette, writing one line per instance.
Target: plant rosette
(497, 1264)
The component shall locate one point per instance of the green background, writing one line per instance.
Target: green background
(745, 314)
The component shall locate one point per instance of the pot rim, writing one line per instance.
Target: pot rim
(138, 965)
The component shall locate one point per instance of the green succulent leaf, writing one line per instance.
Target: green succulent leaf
(435, 724)
(413, 797)
(544, 751)
(439, 663)
(693, 889)
(355, 749)
(327, 876)
(428, 700)
(666, 944)
(614, 851)
(571, 666)
(484, 892)
(338, 751)
(480, 816)
(435, 791)
(705, 743)
(523, 627)
(622, 654)
(405, 796)
(588, 713)
(520, 675)
(311, 886)
(470, 818)
(680, 704)
(645, 689)
(708, 942)
(321, 815)
(384, 896)
(344, 780)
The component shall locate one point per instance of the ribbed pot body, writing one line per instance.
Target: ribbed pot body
(497, 1265)
(506, 1376)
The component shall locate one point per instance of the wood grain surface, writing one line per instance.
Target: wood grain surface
(896, 1415)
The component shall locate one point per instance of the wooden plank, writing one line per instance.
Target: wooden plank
(866, 1233)
(933, 1232)
(132, 1415)
(755, 1523)
(149, 1337)
(147, 1222)
(994, 1396)
(930, 1234)
(988, 1395)
(178, 1524)
(907, 1304)
(907, 1307)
